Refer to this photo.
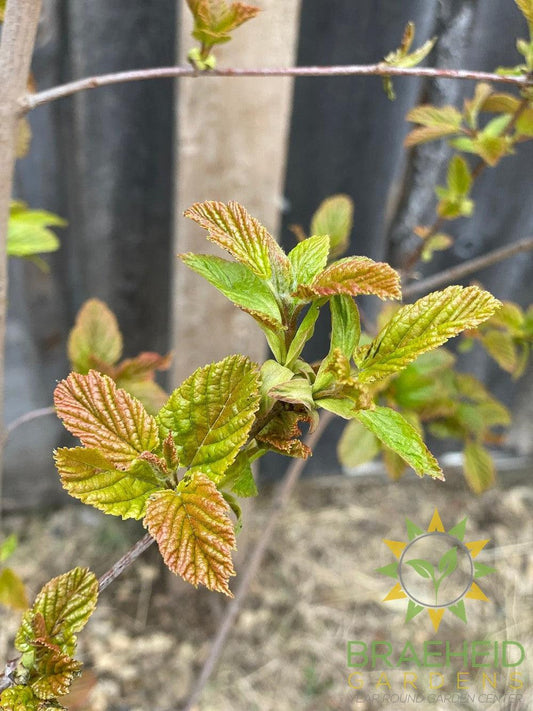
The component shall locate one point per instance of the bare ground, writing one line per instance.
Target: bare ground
(316, 590)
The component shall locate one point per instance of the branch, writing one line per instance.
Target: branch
(28, 417)
(469, 267)
(253, 563)
(127, 559)
(31, 101)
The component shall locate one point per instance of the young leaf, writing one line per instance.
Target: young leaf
(215, 19)
(12, 590)
(309, 258)
(194, 532)
(95, 337)
(105, 417)
(478, 467)
(272, 374)
(303, 334)
(19, 698)
(436, 123)
(8, 547)
(239, 284)
(357, 445)
(334, 217)
(345, 325)
(211, 413)
(459, 176)
(55, 672)
(65, 604)
(282, 434)
(88, 476)
(501, 346)
(423, 326)
(395, 432)
(235, 230)
(29, 233)
(297, 391)
(239, 477)
(354, 276)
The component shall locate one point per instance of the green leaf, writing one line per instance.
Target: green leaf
(480, 570)
(65, 604)
(303, 334)
(235, 230)
(105, 417)
(12, 590)
(478, 467)
(334, 217)
(501, 103)
(29, 233)
(211, 414)
(297, 391)
(526, 8)
(501, 346)
(435, 243)
(239, 477)
(357, 445)
(19, 698)
(344, 407)
(194, 532)
(459, 176)
(345, 324)
(272, 374)
(8, 547)
(524, 123)
(474, 105)
(423, 326)
(95, 338)
(88, 476)
(395, 432)
(423, 567)
(309, 258)
(354, 276)
(239, 284)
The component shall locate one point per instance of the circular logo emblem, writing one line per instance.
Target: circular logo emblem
(436, 570)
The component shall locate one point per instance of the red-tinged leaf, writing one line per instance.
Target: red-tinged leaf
(354, 276)
(235, 230)
(148, 392)
(54, 673)
(65, 604)
(12, 590)
(282, 434)
(105, 417)
(95, 337)
(143, 366)
(211, 414)
(88, 476)
(194, 532)
(428, 133)
(429, 115)
(334, 218)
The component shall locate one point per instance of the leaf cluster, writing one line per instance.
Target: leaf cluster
(95, 342)
(403, 57)
(47, 641)
(436, 399)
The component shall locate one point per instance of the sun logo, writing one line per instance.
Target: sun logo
(436, 570)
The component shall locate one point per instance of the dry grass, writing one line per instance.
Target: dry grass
(317, 589)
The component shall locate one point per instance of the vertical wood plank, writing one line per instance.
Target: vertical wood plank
(232, 146)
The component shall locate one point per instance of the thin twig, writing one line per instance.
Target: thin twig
(58, 92)
(28, 417)
(124, 562)
(253, 563)
(469, 267)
